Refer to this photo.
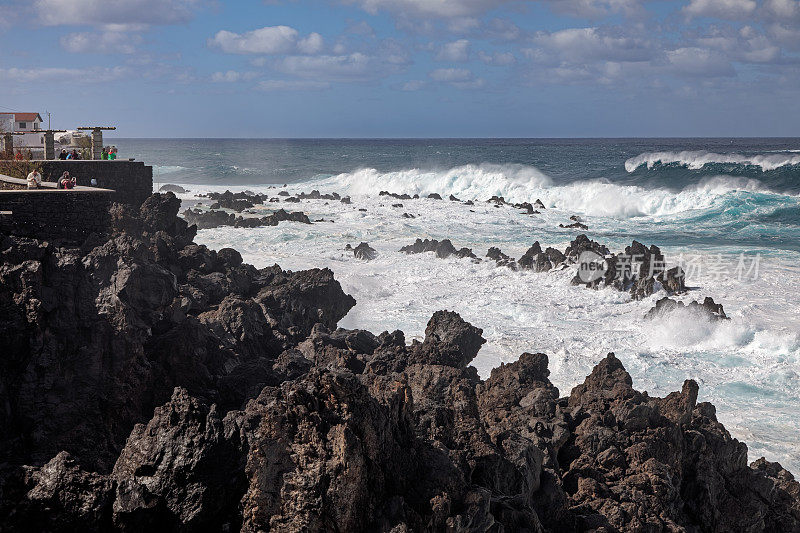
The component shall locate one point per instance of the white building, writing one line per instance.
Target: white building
(28, 123)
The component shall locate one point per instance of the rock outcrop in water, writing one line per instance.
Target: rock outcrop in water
(666, 306)
(443, 248)
(213, 219)
(149, 383)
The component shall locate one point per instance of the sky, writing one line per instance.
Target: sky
(406, 68)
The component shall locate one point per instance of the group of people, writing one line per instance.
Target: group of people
(69, 155)
(109, 152)
(64, 182)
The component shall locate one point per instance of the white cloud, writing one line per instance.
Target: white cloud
(269, 40)
(593, 9)
(455, 51)
(293, 85)
(413, 85)
(348, 67)
(497, 58)
(232, 76)
(94, 12)
(700, 62)
(62, 75)
(108, 42)
(458, 77)
(430, 8)
(592, 44)
(451, 74)
(783, 10)
(311, 45)
(722, 9)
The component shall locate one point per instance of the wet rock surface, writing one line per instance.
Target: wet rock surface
(708, 309)
(213, 219)
(150, 383)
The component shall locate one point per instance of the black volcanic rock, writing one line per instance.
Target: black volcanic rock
(169, 187)
(364, 251)
(150, 383)
(708, 308)
(213, 219)
(442, 248)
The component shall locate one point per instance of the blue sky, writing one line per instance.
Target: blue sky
(406, 68)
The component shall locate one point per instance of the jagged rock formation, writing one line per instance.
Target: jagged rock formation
(443, 248)
(213, 219)
(708, 308)
(149, 383)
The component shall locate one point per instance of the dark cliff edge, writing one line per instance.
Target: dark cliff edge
(149, 382)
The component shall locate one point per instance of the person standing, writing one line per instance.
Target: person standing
(34, 179)
(104, 154)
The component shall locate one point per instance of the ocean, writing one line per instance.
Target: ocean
(727, 210)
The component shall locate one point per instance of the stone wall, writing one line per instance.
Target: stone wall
(54, 214)
(132, 181)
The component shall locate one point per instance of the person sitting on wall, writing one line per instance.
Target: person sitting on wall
(112, 153)
(63, 154)
(75, 154)
(19, 156)
(104, 154)
(69, 155)
(34, 179)
(66, 182)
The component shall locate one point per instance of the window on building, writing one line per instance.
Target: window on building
(23, 125)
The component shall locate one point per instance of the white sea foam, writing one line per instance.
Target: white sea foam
(519, 183)
(159, 170)
(747, 366)
(696, 160)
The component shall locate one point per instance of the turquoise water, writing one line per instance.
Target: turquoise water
(708, 203)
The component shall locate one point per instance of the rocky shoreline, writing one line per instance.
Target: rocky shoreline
(149, 382)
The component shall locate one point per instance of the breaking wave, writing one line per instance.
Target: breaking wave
(696, 160)
(520, 183)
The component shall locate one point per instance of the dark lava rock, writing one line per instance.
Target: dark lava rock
(292, 200)
(395, 195)
(469, 202)
(581, 244)
(213, 219)
(708, 308)
(442, 248)
(397, 205)
(454, 199)
(538, 204)
(449, 340)
(283, 193)
(536, 260)
(499, 200)
(408, 215)
(345, 200)
(364, 251)
(526, 206)
(577, 225)
(500, 258)
(435, 196)
(151, 384)
(169, 187)
(315, 195)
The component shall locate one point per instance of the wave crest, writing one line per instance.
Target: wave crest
(695, 160)
(520, 183)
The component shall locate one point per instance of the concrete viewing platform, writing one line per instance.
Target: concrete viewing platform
(71, 214)
(9, 184)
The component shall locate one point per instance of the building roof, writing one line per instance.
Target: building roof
(27, 117)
